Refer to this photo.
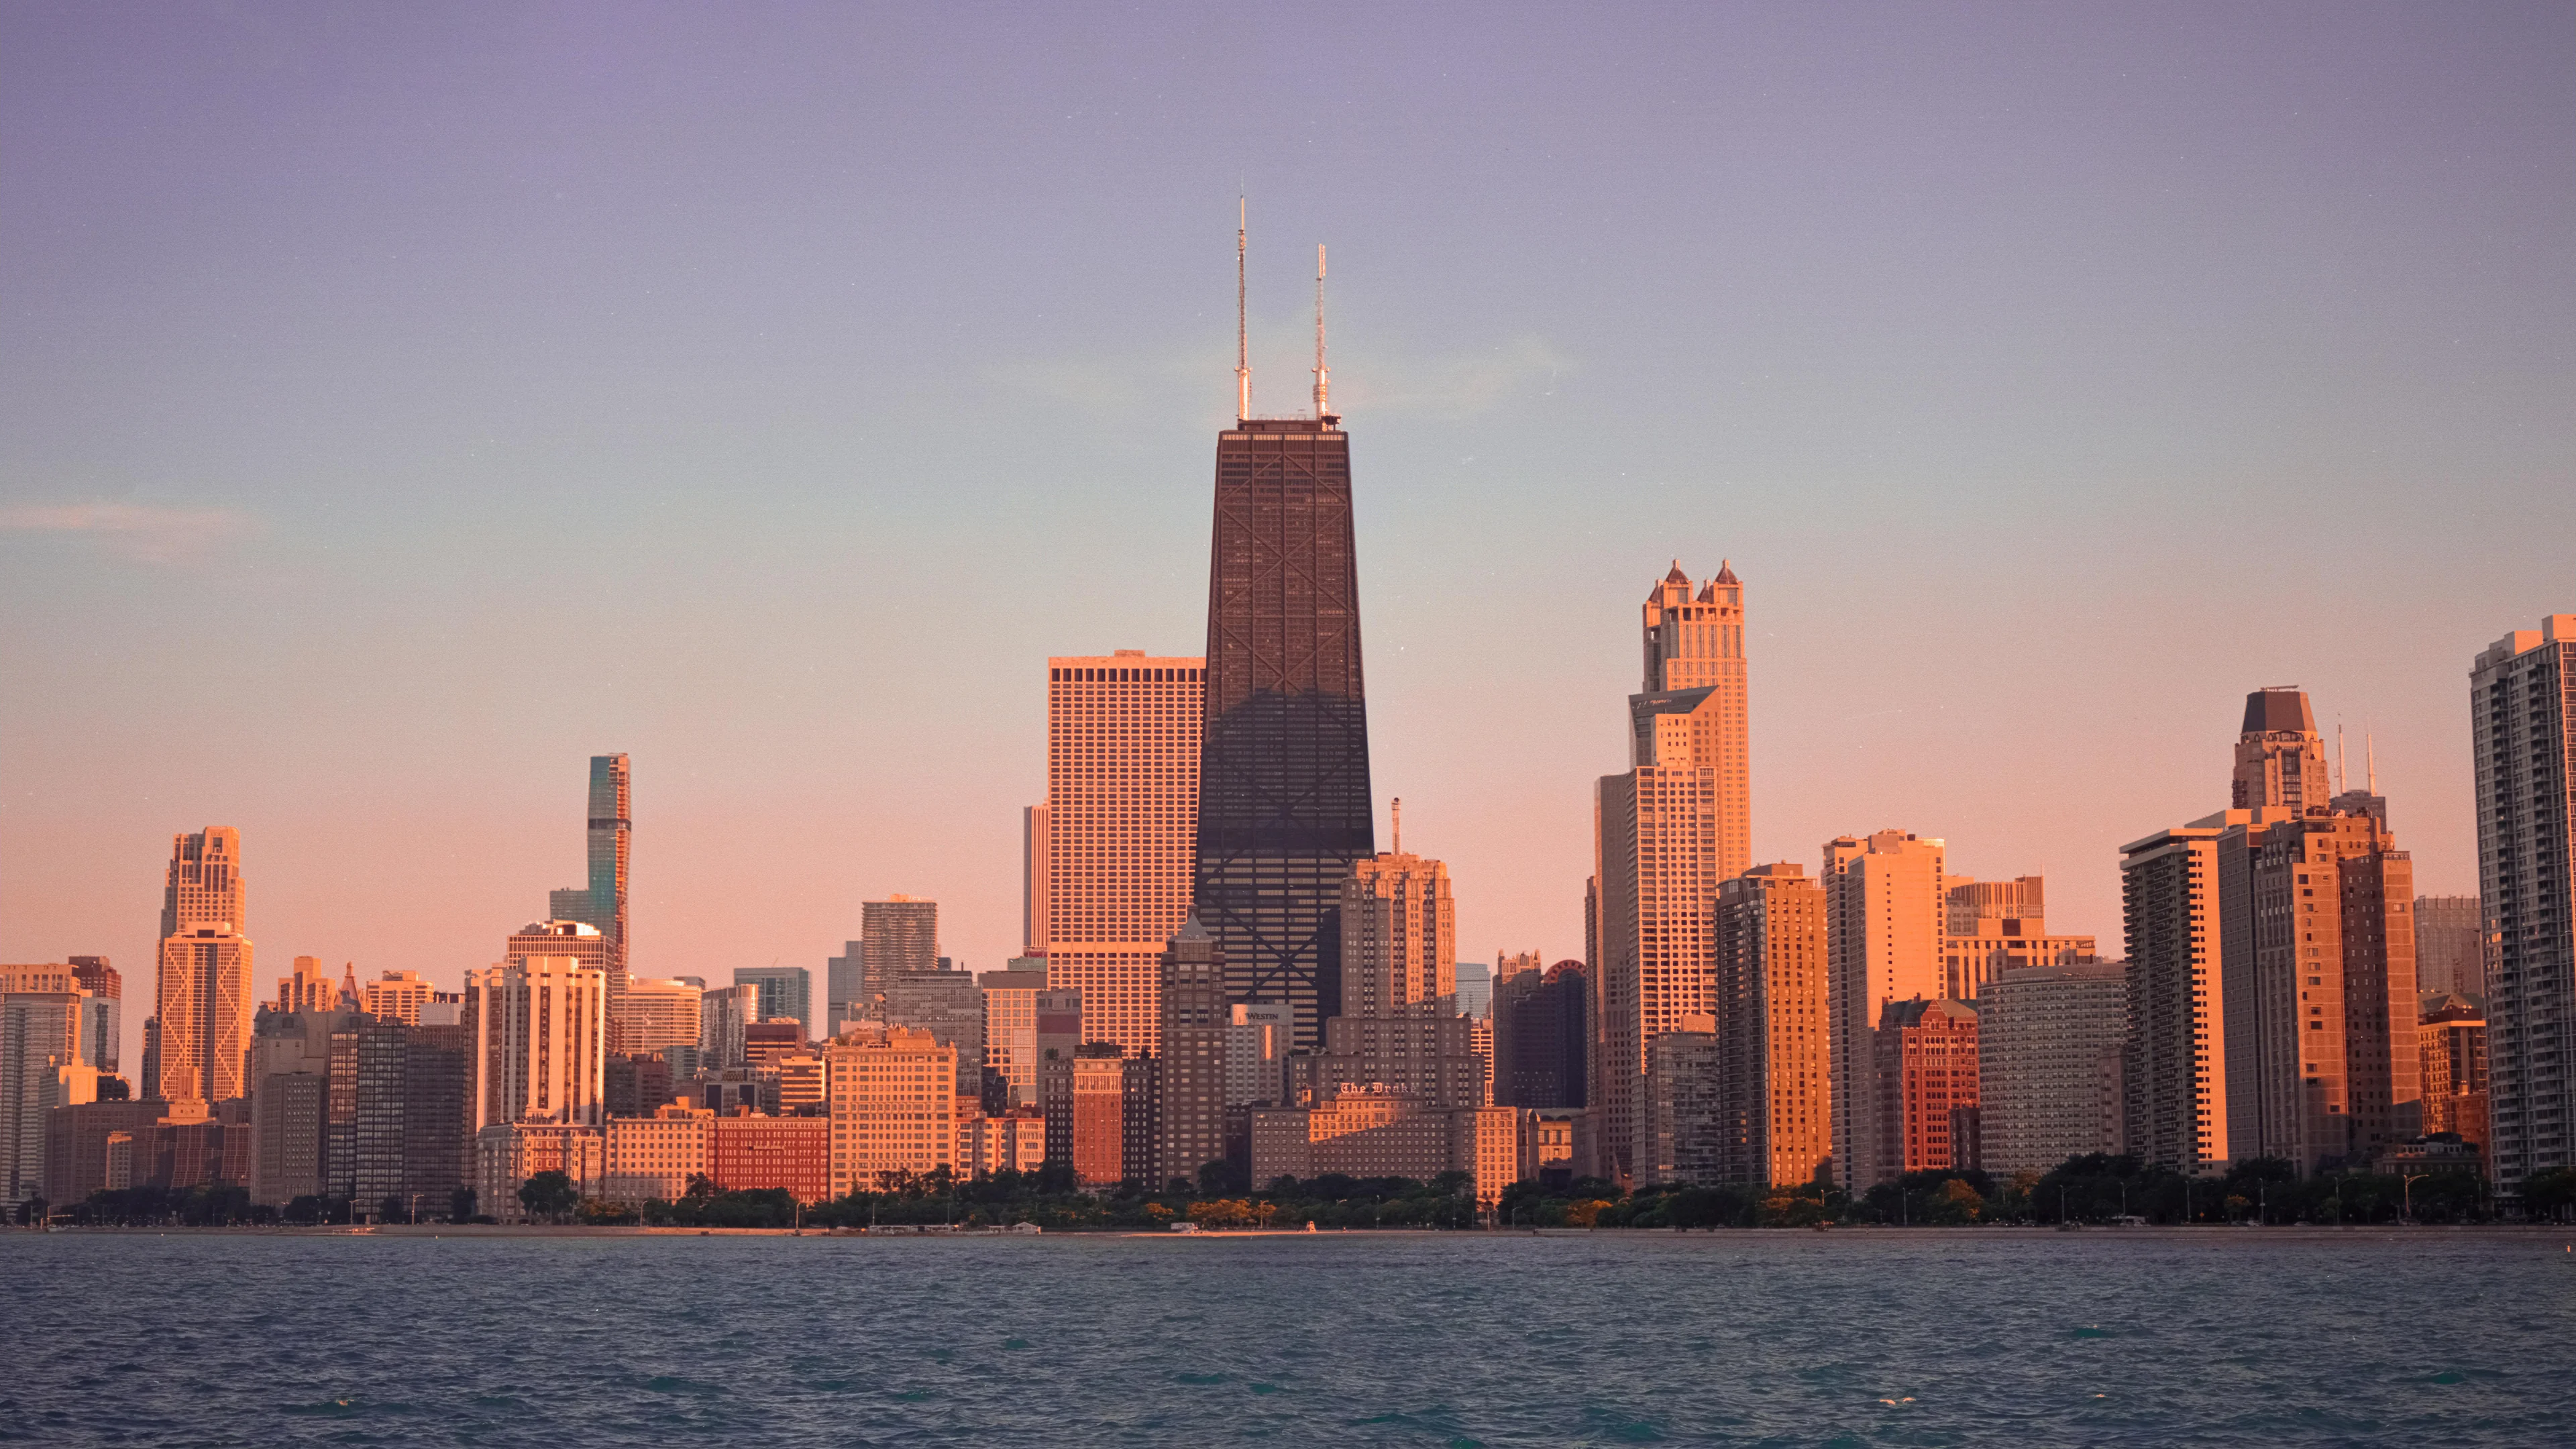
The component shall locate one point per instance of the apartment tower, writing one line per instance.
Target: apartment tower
(1774, 1089)
(1121, 816)
(2522, 717)
(1886, 911)
(1190, 1083)
(2048, 1062)
(202, 997)
(896, 935)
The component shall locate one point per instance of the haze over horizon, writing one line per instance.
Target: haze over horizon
(403, 406)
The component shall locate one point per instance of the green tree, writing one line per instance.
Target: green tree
(460, 1205)
(549, 1195)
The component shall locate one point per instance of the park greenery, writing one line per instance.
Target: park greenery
(2084, 1191)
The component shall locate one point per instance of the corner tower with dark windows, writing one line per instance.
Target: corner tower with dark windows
(1284, 806)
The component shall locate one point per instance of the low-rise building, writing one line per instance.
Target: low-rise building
(508, 1154)
(756, 1153)
(650, 1159)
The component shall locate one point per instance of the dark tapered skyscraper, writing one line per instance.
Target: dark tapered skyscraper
(1284, 772)
(602, 902)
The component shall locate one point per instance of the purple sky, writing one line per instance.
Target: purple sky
(400, 404)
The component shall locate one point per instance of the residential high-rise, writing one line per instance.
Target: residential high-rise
(1257, 1038)
(2451, 1043)
(1543, 1037)
(1886, 918)
(1190, 1069)
(1685, 1130)
(1996, 926)
(1774, 1091)
(1927, 1085)
(579, 940)
(2280, 757)
(102, 1028)
(1011, 1033)
(661, 1013)
(949, 1006)
(602, 902)
(1399, 938)
(2048, 1055)
(1091, 1093)
(202, 995)
(309, 987)
(2177, 1075)
(1121, 810)
(303, 1090)
(2451, 945)
(785, 992)
(725, 1018)
(40, 1070)
(2319, 996)
(1284, 802)
(541, 1041)
(413, 1145)
(897, 934)
(2522, 713)
(396, 996)
(1034, 933)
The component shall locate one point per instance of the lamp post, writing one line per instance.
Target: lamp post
(2406, 1209)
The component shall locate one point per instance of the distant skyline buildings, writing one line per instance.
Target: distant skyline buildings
(2522, 714)
(608, 837)
(1284, 797)
(202, 997)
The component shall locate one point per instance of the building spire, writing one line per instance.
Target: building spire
(1323, 374)
(1242, 337)
(1395, 813)
(2370, 759)
(2343, 777)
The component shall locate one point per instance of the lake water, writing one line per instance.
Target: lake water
(1785, 1338)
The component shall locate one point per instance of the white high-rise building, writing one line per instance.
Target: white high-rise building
(1886, 919)
(541, 1042)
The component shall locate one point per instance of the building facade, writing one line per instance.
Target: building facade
(2522, 710)
(894, 1106)
(2174, 1068)
(2049, 1040)
(1996, 926)
(786, 993)
(2280, 757)
(1190, 1082)
(541, 1041)
(2451, 1046)
(1928, 1087)
(1285, 807)
(1543, 1037)
(601, 902)
(1886, 921)
(661, 1013)
(2451, 945)
(1773, 1020)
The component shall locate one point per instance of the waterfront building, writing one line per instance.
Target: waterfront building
(2523, 735)
(541, 1039)
(1376, 1131)
(1543, 1036)
(1257, 1037)
(2451, 945)
(41, 1070)
(1886, 920)
(297, 1098)
(1120, 816)
(786, 992)
(1775, 1089)
(754, 1153)
(76, 1137)
(2048, 1063)
(1284, 802)
(897, 935)
(2319, 994)
(414, 1086)
(1010, 1141)
(1685, 1137)
(1928, 1087)
(1190, 1081)
(601, 903)
(894, 1105)
(507, 1154)
(1096, 1115)
(1399, 937)
(2451, 1045)
(2176, 1073)
(661, 1013)
(1996, 926)
(2280, 757)
(650, 1159)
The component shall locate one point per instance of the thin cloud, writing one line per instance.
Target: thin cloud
(130, 530)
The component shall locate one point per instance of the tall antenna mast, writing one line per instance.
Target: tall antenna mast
(2370, 754)
(1323, 374)
(1242, 348)
(2343, 777)
(1395, 809)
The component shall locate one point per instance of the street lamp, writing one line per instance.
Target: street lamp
(2407, 1192)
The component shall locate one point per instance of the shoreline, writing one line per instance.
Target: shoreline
(2306, 1232)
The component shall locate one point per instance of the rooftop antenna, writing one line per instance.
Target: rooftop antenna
(1242, 347)
(2343, 779)
(2370, 759)
(1323, 374)
(1395, 809)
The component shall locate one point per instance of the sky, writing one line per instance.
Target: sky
(399, 405)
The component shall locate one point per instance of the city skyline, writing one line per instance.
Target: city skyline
(1533, 464)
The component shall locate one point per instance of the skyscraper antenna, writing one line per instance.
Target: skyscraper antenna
(1395, 811)
(2343, 777)
(1323, 375)
(2370, 758)
(1242, 338)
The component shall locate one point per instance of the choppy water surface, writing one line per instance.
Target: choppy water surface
(1333, 1339)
